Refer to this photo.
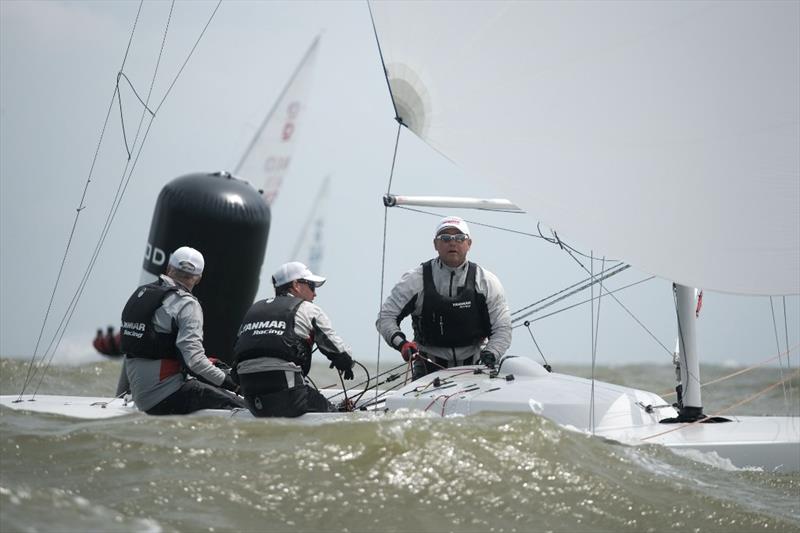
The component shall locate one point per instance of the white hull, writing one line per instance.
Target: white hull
(620, 413)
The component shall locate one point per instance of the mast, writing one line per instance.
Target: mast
(691, 405)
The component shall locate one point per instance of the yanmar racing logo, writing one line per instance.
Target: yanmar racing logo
(264, 327)
(133, 329)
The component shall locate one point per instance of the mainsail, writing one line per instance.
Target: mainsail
(267, 158)
(662, 133)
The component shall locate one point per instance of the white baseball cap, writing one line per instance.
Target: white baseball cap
(288, 272)
(187, 260)
(452, 222)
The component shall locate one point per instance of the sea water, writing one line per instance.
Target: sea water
(396, 472)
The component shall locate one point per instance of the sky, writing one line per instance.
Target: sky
(58, 66)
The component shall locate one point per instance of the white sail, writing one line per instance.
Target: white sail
(309, 247)
(662, 133)
(267, 158)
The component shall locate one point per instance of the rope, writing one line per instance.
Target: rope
(725, 410)
(742, 371)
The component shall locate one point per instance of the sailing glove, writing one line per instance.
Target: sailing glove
(487, 358)
(229, 384)
(344, 364)
(409, 350)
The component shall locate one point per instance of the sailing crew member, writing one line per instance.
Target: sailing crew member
(162, 338)
(458, 309)
(272, 354)
(107, 344)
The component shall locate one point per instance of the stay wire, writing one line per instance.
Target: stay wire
(383, 244)
(383, 65)
(78, 210)
(628, 311)
(567, 308)
(595, 335)
(778, 346)
(118, 198)
(576, 284)
(189, 56)
(541, 354)
(591, 313)
(121, 189)
(786, 339)
(589, 282)
(538, 235)
(121, 74)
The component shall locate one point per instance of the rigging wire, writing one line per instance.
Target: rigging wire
(80, 208)
(391, 174)
(123, 180)
(116, 202)
(595, 335)
(383, 65)
(547, 366)
(583, 281)
(786, 339)
(567, 308)
(588, 283)
(778, 346)
(383, 244)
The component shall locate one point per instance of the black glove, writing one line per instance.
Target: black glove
(230, 384)
(487, 358)
(344, 363)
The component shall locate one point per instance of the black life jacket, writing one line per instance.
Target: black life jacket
(454, 322)
(138, 335)
(267, 330)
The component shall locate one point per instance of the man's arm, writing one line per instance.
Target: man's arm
(400, 303)
(499, 315)
(189, 319)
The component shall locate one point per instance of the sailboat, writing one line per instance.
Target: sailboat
(647, 129)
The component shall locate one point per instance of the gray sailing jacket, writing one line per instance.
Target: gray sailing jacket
(145, 375)
(309, 321)
(411, 285)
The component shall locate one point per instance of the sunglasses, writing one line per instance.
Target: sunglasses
(311, 284)
(458, 237)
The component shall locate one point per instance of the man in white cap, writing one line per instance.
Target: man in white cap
(162, 339)
(458, 309)
(273, 349)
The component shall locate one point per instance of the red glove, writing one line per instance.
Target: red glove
(409, 350)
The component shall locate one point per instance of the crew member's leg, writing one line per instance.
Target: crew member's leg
(195, 395)
(268, 393)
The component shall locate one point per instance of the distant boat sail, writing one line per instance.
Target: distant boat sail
(267, 158)
(309, 246)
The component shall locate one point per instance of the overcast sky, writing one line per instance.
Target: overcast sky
(58, 65)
